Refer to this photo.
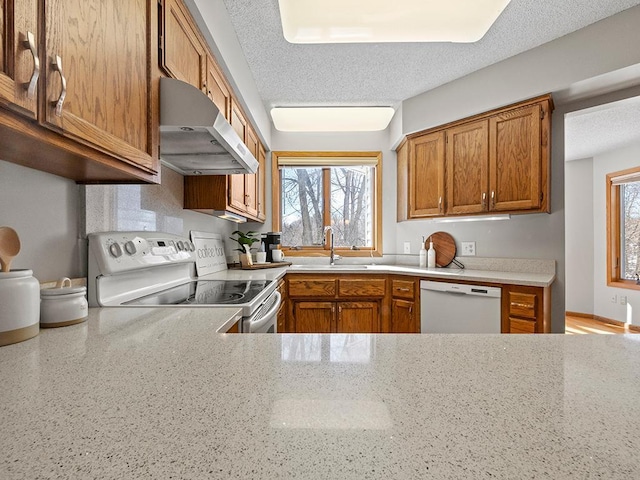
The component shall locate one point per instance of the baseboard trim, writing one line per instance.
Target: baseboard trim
(578, 314)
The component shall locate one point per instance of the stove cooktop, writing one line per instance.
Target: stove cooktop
(206, 292)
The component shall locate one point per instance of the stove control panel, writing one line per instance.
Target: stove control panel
(115, 252)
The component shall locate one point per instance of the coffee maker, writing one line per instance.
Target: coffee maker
(271, 241)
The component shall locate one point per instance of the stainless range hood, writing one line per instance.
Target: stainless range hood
(195, 138)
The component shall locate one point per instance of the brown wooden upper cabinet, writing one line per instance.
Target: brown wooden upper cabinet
(262, 183)
(493, 162)
(182, 54)
(467, 167)
(81, 69)
(19, 57)
(98, 89)
(426, 175)
(216, 88)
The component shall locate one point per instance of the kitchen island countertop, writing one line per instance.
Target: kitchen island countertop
(156, 393)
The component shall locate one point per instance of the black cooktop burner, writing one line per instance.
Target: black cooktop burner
(206, 292)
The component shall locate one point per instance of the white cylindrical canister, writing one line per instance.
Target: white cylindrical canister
(19, 306)
(63, 305)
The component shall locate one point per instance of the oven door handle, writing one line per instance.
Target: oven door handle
(253, 326)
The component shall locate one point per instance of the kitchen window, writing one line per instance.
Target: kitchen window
(623, 218)
(312, 190)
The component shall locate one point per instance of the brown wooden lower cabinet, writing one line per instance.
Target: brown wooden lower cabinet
(358, 317)
(336, 317)
(526, 309)
(326, 303)
(313, 317)
(404, 318)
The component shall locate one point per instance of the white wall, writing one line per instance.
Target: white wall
(579, 234)
(48, 212)
(602, 47)
(44, 210)
(148, 207)
(602, 165)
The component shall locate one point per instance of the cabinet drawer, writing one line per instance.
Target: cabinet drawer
(361, 287)
(403, 289)
(517, 325)
(312, 288)
(522, 304)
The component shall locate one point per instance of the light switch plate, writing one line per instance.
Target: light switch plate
(468, 249)
(407, 247)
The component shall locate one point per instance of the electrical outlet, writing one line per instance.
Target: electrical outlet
(468, 249)
(614, 298)
(407, 247)
(623, 299)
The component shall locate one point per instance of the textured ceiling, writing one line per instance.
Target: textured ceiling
(601, 129)
(385, 74)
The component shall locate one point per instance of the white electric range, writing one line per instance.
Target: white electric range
(143, 269)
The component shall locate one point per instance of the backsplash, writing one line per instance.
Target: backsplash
(147, 207)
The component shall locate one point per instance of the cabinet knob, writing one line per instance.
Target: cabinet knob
(57, 66)
(30, 43)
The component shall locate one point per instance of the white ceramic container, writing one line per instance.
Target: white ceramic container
(63, 305)
(19, 306)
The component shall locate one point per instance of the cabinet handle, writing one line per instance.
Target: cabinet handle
(30, 43)
(493, 199)
(521, 305)
(402, 289)
(57, 66)
(440, 205)
(410, 309)
(484, 200)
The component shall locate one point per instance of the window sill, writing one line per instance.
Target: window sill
(314, 252)
(628, 284)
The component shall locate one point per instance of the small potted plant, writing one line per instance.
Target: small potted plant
(245, 241)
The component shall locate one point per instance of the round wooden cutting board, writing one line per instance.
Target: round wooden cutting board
(445, 247)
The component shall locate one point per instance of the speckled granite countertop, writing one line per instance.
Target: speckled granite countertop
(155, 393)
(534, 279)
(454, 274)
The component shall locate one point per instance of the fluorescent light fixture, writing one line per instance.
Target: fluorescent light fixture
(331, 119)
(479, 218)
(229, 216)
(355, 21)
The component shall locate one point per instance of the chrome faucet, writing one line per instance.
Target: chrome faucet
(332, 256)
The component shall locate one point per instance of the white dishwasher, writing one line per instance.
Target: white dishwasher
(459, 308)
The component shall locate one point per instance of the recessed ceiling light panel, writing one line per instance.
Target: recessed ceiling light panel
(331, 119)
(357, 21)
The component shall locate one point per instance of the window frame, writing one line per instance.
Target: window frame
(315, 251)
(614, 224)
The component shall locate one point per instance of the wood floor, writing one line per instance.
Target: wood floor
(579, 325)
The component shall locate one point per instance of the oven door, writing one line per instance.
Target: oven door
(264, 320)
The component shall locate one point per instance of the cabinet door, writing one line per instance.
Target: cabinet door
(216, 88)
(515, 160)
(426, 175)
(262, 179)
(313, 317)
(251, 180)
(467, 168)
(358, 317)
(183, 56)
(236, 182)
(404, 318)
(19, 62)
(98, 85)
